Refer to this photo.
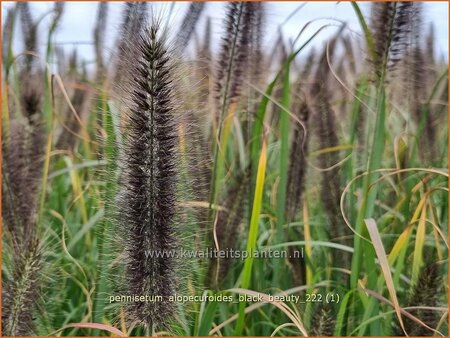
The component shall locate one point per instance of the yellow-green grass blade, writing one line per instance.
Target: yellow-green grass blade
(253, 231)
(48, 150)
(418, 246)
(308, 247)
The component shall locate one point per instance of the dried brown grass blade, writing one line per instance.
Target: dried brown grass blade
(296, 320)
(96, 326)
(382, 258)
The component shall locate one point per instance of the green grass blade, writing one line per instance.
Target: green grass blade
(253, 232)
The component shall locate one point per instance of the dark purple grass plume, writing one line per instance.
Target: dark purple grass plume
(395, 26)
(29, 32)
(134, 15)
(424, 293)
(7, 34)
(325, 120)
(258, 71)
(233, 55)
(23, 147)
(99, 40)
(188, 25)
(323, 321)
(22, 155)
(147, 198)
(297, 162)
(296, 185)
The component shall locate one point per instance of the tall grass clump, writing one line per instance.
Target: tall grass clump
(213, 156)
